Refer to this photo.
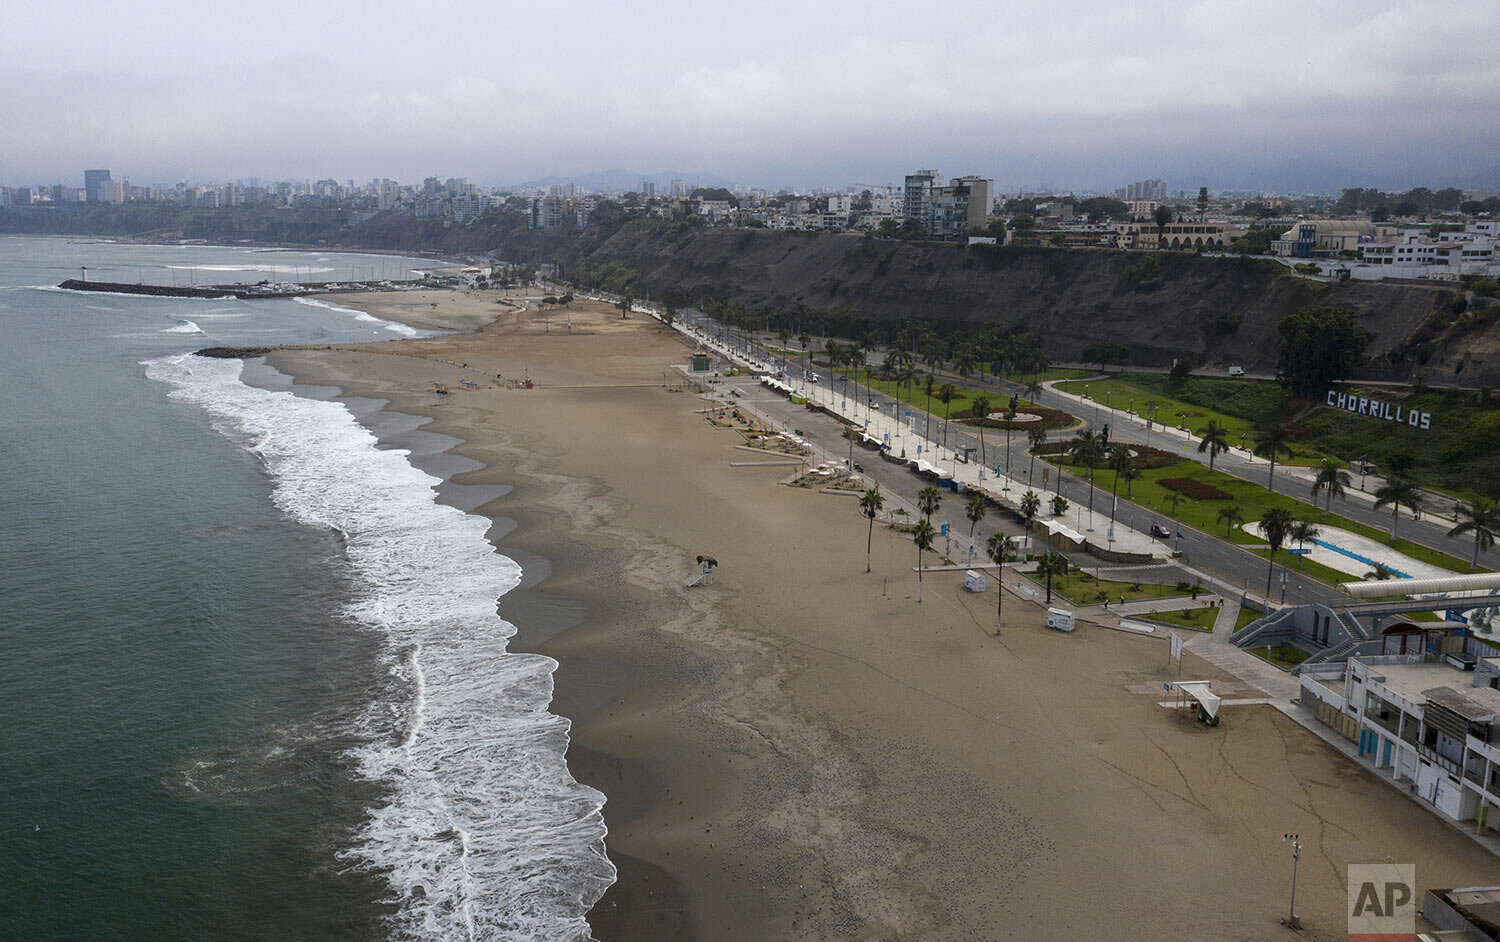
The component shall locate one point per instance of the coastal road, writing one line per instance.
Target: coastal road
(1238, 462)
(1229, 562)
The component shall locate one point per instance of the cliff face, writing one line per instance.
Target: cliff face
(1215, 310)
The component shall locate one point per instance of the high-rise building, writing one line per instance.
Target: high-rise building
(945, 213)
(917, 204)
(1143, 190)
(93, 185)
(546, 212)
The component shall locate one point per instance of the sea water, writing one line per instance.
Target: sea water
(258, 687)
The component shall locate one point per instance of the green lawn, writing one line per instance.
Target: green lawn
(1198, 619)
(1253, 500)
(1246, 616)
(1081, 589)
(917, 394)
(1127, 393)
(1284, 656)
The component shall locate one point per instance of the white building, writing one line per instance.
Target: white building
(1423, 724)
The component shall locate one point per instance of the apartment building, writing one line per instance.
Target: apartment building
(1424, 721)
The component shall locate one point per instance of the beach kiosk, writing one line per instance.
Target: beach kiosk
(1061, 619)
(974, 580)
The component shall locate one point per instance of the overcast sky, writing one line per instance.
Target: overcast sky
(1071, 93)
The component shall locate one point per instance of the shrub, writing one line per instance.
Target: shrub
(1196, 489)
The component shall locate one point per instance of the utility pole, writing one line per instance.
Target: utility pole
(1291, 921)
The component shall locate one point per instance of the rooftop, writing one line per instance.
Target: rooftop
(1447, 685)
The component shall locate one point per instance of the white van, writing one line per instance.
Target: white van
(1060, 618)
(1236, 371)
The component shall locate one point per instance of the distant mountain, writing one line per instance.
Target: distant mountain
(625, 181)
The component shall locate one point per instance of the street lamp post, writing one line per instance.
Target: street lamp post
(1291, 921)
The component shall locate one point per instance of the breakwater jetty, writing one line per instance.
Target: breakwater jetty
(243, 292)
(246, 292)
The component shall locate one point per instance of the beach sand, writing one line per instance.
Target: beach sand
(801, 750)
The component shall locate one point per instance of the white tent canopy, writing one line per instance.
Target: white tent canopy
(1058, 528)
(1200, 691)
(926, 467)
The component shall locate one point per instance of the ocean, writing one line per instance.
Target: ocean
(257, 687)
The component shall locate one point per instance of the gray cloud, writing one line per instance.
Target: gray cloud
(1073, 93)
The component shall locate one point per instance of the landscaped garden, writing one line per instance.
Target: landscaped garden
(1250, 497)
(1284, 656)
(1081, 588)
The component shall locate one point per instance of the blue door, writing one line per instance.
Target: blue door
(1385, 755)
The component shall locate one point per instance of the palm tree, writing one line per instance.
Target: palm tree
(1380, 573)
(1033, 389)
(1173, 498)
(1037, 435)
(906, 373)
(1482, 518)
(975, 511)
(1229, 516)
(945, 395)
(1087, 448)
(1050, 565)
(964, 361)
(928, 380)
(1397, 491)
(1059, 505)
(854, 357)
(1271, 441)
(928, 500)
(1214, 439)
(980, 410)
(1332, 477)
(1120, 461)
(1303, 531)
(870, 504)
(1131, 475)
(1031, 505)
(1275, 526)
(999, 549)
(922, 536)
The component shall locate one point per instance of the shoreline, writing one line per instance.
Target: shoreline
(788, 754)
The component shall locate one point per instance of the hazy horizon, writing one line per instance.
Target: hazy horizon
(1075, 95)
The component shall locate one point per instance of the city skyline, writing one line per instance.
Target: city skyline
(1081, 96)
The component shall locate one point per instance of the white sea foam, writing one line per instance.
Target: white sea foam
(186, 327)
(360, 316)
(485, 834)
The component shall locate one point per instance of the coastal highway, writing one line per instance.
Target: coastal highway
(1237, 462)
(1200, 551)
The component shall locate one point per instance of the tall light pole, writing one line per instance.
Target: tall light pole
(1291, 921)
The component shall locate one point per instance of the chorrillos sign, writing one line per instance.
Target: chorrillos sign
(1379, 409)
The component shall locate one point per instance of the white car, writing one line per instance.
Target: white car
(1236, 371)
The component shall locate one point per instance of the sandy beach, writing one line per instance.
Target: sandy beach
(801, 750)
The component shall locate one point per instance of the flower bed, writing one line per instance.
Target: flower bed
(1198, 490)
(1145, 458)
(1050, 418)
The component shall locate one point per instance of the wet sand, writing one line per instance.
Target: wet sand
(801, 749)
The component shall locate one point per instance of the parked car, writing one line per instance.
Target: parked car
(1236, 371)
(1157, 530)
